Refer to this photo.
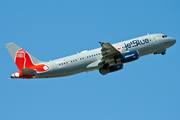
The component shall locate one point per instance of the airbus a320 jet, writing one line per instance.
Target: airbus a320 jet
(108, 58)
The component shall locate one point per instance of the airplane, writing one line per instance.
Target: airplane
(107, 59)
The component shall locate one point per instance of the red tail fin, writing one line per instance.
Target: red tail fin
(23, 59)
(28, 65)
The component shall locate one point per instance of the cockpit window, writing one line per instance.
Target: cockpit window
(164, 36)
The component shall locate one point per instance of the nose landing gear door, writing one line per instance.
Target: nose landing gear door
(155, 39)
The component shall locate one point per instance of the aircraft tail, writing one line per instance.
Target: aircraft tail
(22, 58)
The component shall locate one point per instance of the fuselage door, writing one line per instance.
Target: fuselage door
(155, 39)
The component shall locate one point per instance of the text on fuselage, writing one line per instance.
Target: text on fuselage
(135, 43)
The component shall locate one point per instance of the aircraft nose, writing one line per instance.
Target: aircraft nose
(173, 41)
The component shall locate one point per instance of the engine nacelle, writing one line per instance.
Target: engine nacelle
(127, 57)
(110, 69)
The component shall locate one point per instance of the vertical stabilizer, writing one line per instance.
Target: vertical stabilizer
(22, 58)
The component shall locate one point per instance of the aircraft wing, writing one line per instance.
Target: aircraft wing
(109, 53)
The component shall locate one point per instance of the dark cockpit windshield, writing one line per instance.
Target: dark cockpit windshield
(164, 36)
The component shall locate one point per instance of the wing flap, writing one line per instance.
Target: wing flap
(109, 52)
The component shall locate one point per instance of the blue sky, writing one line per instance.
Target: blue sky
(145, 89)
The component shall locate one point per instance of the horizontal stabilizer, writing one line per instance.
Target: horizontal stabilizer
(27, 71)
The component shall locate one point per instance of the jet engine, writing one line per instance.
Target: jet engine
(127, 57)
(110, 69)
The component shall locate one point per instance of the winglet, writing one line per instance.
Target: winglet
(101, 43)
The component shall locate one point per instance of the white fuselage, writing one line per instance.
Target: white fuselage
(88, 60)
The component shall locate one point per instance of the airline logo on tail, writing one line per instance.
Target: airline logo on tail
(23, 60)
(26, 66)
